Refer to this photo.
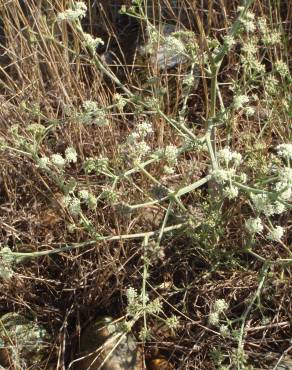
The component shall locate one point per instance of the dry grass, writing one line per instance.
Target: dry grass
(43, 70)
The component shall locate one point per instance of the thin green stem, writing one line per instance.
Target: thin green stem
(145, 275)
(175, 194)
(23, 255)
(244, 317)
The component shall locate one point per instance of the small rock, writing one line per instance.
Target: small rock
(285, 364)
(101, 344)
(160, 364)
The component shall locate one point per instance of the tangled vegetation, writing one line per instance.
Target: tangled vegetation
(145, 158)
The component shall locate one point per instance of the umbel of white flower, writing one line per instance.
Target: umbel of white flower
(73, 204)
(282, 68)
(167, 46)
(144, 129)
(43, 162)
(276, 233)
(136, 303)
(254, 225)
(78, 11)
(285, 176)
(264, 205)
(171, 154)
(230, 192)
(93, 114)
(137, 148)
(285, 151)
(240, 100)
(221, 175)
(248, 20)
(71, 155)
(58, 160)
(220, 306)
(214, 318)
(92, 42)
(120, 101)
(226, 155)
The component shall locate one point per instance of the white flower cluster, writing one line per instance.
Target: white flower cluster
(250, 48)
(144, 129)
(119, 101)
(136, 304)
(79, 11)
(284, 185)
(169, 154)
(263, 204)
(43, 162)
(109, 195)
(269, 37)
(173, 46)
(249, 111)
(144, 334)
(219, 307)
(248, 21)
(58, 160)
(70, 155)
(272, 38)
(285, 176)
(224, 175)
(254, 225)
(189, 80)
(282, 68)
(229, 41)
(240, 100)
(6, 262)
(284, 190)
(267, 204)
(276, 233)
(230, 192)
(271, 85)
(137, 148)
(249, 57)
(97, 165)
(36, 129)
(258, 67)
(285, 151)
(153, 34)
(262, 24)
(172, 322)
(168, 47)
(226, 156)
(92, 42)
(73, 204)
(88, 198)
(140, 149)
(93, 114)
(224, 331)
(154, 307)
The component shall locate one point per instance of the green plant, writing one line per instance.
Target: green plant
(148, 182)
